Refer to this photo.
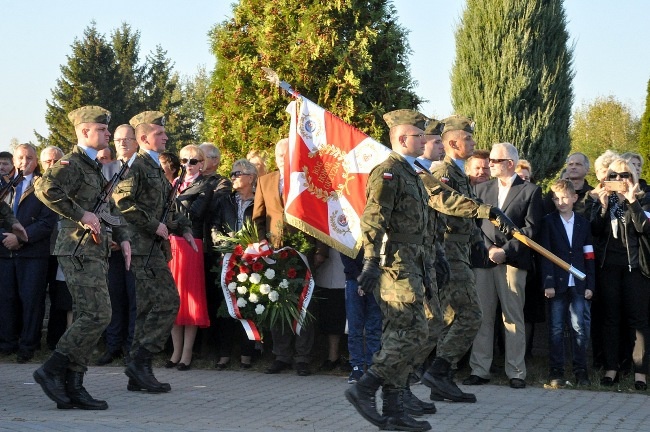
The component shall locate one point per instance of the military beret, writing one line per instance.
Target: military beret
(457, 122)
(148, 117)
(434, 127)
(89, 114)
(406, 117)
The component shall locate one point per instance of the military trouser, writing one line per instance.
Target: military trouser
(400, 297)
(461, 312)
(434, 324)
(92, 307)
(157, 302)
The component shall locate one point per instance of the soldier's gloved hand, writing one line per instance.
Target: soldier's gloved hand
(443, 271)
(506, 226)
(369, 277)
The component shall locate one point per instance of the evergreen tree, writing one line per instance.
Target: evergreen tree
(126, 45)
(193, 91)
(512, 75)
(90, 77)
(348, 56)
(644, 136)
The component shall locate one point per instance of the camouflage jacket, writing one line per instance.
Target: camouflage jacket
(396, 207)
(7, 218)
(70, 188)
(141, 197)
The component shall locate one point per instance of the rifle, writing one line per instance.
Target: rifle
(101, 209)
(11, 184)
(171, 200)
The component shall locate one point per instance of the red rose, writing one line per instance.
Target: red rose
(229, 275)
(284, 254)
(243, 269)
(257, 266)
(239, 251)
(292, 273)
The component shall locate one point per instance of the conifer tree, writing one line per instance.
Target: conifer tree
(644, 136)
(126, 45)
(348, 56)
(512, 75)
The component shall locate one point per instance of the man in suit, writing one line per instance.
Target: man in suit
(23, 265)
(510, 260)
(268, 216)
(141, 197)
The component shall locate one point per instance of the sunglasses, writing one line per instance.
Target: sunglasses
(191, 161)
(496, 161)
(420, 135)
(237, 174)
(623, 175)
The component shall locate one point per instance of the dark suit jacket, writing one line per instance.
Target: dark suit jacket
(523, 205)
(38, 220)
(553, 237)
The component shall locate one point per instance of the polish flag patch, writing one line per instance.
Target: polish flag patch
(444, 180)
(588, 252)
(64, 162)
(388, 176)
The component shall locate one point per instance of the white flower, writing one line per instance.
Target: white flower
(255, 278)
(241, 302)
(269, 273)
(265, 289)
(242, 289)
(242, 277)
(259, 309)
(232, 286)
(253, 298)
(284, 284)
(274, 296)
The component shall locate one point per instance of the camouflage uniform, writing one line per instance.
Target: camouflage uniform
(7, 218)
(141, 197)
(70, 188)
(458, 298)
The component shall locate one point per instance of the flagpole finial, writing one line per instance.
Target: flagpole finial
(273, 78)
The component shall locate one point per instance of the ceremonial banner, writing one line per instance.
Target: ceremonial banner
(326, 174)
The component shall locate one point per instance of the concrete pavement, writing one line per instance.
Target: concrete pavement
(210, 400)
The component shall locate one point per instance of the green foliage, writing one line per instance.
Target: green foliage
(348, 56)
(644, 136)
(513, 75)
(604, 124)
(108, 73)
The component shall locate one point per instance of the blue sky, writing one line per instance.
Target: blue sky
(610, 57)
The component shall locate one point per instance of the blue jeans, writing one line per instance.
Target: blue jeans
(363, 314)
(572, 306)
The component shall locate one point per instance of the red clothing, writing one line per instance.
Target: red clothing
(187, 268)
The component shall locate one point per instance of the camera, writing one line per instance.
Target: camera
(615, 186)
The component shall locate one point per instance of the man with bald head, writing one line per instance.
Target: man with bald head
(71, 188)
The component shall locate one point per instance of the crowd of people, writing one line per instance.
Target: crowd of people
(442, 275)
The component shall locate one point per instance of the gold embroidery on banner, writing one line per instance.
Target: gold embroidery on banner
(325, 173)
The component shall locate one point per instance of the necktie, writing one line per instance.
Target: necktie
(17, 195)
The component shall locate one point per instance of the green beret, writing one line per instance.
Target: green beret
(457, 122)
(406, 117)
(89, 114)
(148, 117)
(434, 127)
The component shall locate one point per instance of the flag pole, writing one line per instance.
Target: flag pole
(273, 78)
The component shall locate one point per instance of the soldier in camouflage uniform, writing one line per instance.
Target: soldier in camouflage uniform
(393, 221)
(9, 221)
(142, 197)
(71, 188)
(458, 298)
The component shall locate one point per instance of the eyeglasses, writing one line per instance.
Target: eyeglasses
(420, 135)
(191, 161)
(623, 175)
(119, 140)
(237, 174)
(496, 161)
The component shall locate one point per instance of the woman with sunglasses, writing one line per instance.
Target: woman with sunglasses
(232, 211)
(618, 221)
(187, 266)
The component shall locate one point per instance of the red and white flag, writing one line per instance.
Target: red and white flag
(326, 174)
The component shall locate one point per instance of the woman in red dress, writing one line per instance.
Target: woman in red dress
(186, 265)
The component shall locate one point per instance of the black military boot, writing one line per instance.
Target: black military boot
(362, 396)
(416, 407)
(438, 377)
(139, 370)
(79, 396)
(133, 385)
(51, 377)
(397, 419)
(465, 397)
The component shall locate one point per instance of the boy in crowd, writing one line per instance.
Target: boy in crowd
(567, 235)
